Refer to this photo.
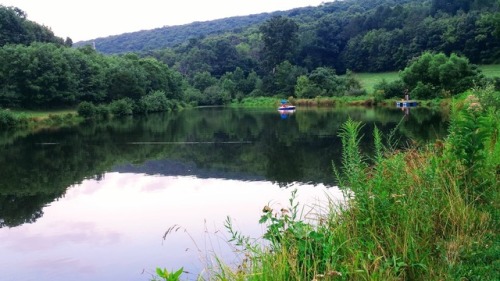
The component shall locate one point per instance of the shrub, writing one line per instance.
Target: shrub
(86, 110)
(438, 74)
(388, 90)
(488, 96)
(56, 119)
(154, 102)
(424, 91)
(102, 111)
(7, 119)
(122, 107)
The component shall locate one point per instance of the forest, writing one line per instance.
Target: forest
(303, 53)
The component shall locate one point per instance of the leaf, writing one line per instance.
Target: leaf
(161, 272)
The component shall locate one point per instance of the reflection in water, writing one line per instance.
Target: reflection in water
(112, 229)
(93, 201)
(286, 113)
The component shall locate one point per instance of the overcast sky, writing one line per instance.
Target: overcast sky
(89, 19)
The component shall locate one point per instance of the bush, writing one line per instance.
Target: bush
(154, 102)
(388, 90)
(424, 91)
(87, 110)
(7, 119)
(439, 75)
(122, 107)
(102, 111)
(56, 119)
(488, 96)
(215, 95)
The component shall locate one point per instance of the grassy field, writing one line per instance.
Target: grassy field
(491, 70)
(369, 80)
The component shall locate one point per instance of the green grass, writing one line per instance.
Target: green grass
(491, 70)
(369, 80)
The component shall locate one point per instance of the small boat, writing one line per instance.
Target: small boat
(285, 106)
(406, 103)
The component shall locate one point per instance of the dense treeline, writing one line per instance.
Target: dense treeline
(16, 29)
(44, 75)
(299, 53)
(361, 35)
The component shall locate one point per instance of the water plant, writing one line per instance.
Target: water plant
(164, 274)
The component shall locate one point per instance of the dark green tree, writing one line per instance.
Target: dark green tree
(438, 75)
(280, 38)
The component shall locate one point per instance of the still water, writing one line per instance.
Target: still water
(114, 200)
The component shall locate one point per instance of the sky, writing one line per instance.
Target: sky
(90, 19)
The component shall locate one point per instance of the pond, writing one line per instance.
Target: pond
(114, 200)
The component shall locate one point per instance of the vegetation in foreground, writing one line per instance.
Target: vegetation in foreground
(428, 213)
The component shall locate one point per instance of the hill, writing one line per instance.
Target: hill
(170, 36)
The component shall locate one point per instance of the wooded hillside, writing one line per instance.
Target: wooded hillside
(360, 35)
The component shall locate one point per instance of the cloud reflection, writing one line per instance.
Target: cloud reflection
(115, 226)
(58, 235)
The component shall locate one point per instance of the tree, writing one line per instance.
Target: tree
(11, 26)
(280, 39)
(286, 78)
(437, 75)
(126, 79)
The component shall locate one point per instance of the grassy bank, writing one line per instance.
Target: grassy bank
(427, 213)
(28, 119)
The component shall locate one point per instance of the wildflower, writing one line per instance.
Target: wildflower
(267, 209)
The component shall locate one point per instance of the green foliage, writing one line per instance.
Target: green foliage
(279, 35)
(323, 82)
(7, 119)
(122, 107)
(102, 112)
(215, 95)
(387, 90)
(437, 75)
(258, 102)
(154, 102)
(48, 76)
(285, 78)
(489, 96)
(163, 274)
(16, 29)
(87, 110)
(472, 138)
